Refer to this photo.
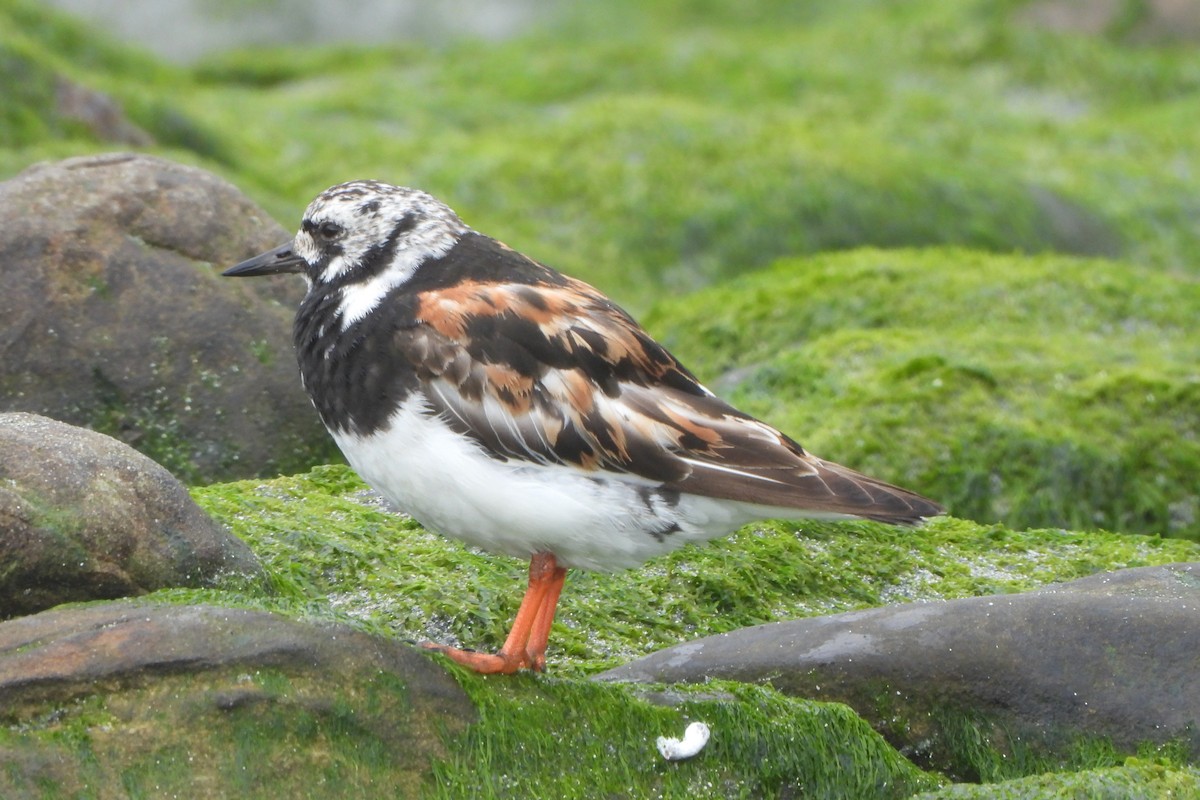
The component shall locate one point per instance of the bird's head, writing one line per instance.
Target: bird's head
(362, 232)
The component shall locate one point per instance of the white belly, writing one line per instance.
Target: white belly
(448, 484)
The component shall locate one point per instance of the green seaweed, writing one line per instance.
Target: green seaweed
(646, 147)
(1134, 780)
(1047, 391)
(654, 150)
(553, 738)
(330, 548)
(333, 552)
(227, 733)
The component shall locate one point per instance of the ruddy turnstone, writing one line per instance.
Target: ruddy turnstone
(505, 404)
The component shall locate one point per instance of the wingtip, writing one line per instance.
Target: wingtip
(920, 511)
(884, 502)
(916, 512)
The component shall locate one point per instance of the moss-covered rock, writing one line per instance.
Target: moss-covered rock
(680, 145)
(984, 688)
(130, 699)
(127, 700)
(66, 83)
(333, 550)
(1044, 391)
(553, 738)
(334, 553)
(328, 543)
(1136, 780)
(642, 147)
(84, 517)
(114, 317)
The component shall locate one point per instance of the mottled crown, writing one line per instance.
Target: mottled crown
(359, 231)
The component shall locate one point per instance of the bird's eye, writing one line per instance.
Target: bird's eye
(329, 231)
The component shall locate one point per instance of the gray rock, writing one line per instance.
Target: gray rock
(98, 112)
(1155, 22)
(60, 654)
(1113, 656)
(137, 700)
(85, 517)
(114, 317)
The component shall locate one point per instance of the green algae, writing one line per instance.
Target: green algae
(329, 548)
(333, 551)
(666, 149)
(673, 147)
(650, 147)
(1040, 392)
(41, 49)
(1138, 779)
(226, 733)
(542, 737)
(973, 746)
(269, 733)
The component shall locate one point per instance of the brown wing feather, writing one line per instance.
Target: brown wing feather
(557, 374)
(735, 456)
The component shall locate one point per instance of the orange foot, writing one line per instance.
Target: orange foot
(525, 646)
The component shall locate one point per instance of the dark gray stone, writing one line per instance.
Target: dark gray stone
(60, 654)
(1114, 656)
(85, 517)
(1154, 22)
(139, 700)
(114, 316)
(100, 114)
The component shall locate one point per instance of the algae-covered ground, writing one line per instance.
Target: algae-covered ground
(942, 243)
(333, 551)
(1051, 390)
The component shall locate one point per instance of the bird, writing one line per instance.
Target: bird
(505, 404)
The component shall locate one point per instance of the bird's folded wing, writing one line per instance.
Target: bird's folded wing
(558, 375)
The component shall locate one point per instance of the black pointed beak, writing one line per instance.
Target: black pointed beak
(272, 262)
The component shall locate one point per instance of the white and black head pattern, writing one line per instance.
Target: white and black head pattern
(365, 238)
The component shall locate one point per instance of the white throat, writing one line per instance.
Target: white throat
(362, 297)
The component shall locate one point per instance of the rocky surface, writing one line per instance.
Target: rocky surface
(1151, 22)
(1113, 656)
(98, 112)
(138, 700)
(85, 517)
(59, 654)
(114, 316)
(124, 700)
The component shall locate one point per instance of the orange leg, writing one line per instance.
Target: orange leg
(539, 634)
(526, 642)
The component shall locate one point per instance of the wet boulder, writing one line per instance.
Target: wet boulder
(1112, 657)
(85, 517)
(114, 316)
(146, 700)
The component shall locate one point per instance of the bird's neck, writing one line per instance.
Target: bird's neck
(355, 380)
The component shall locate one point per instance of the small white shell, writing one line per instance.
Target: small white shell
(693, 741)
